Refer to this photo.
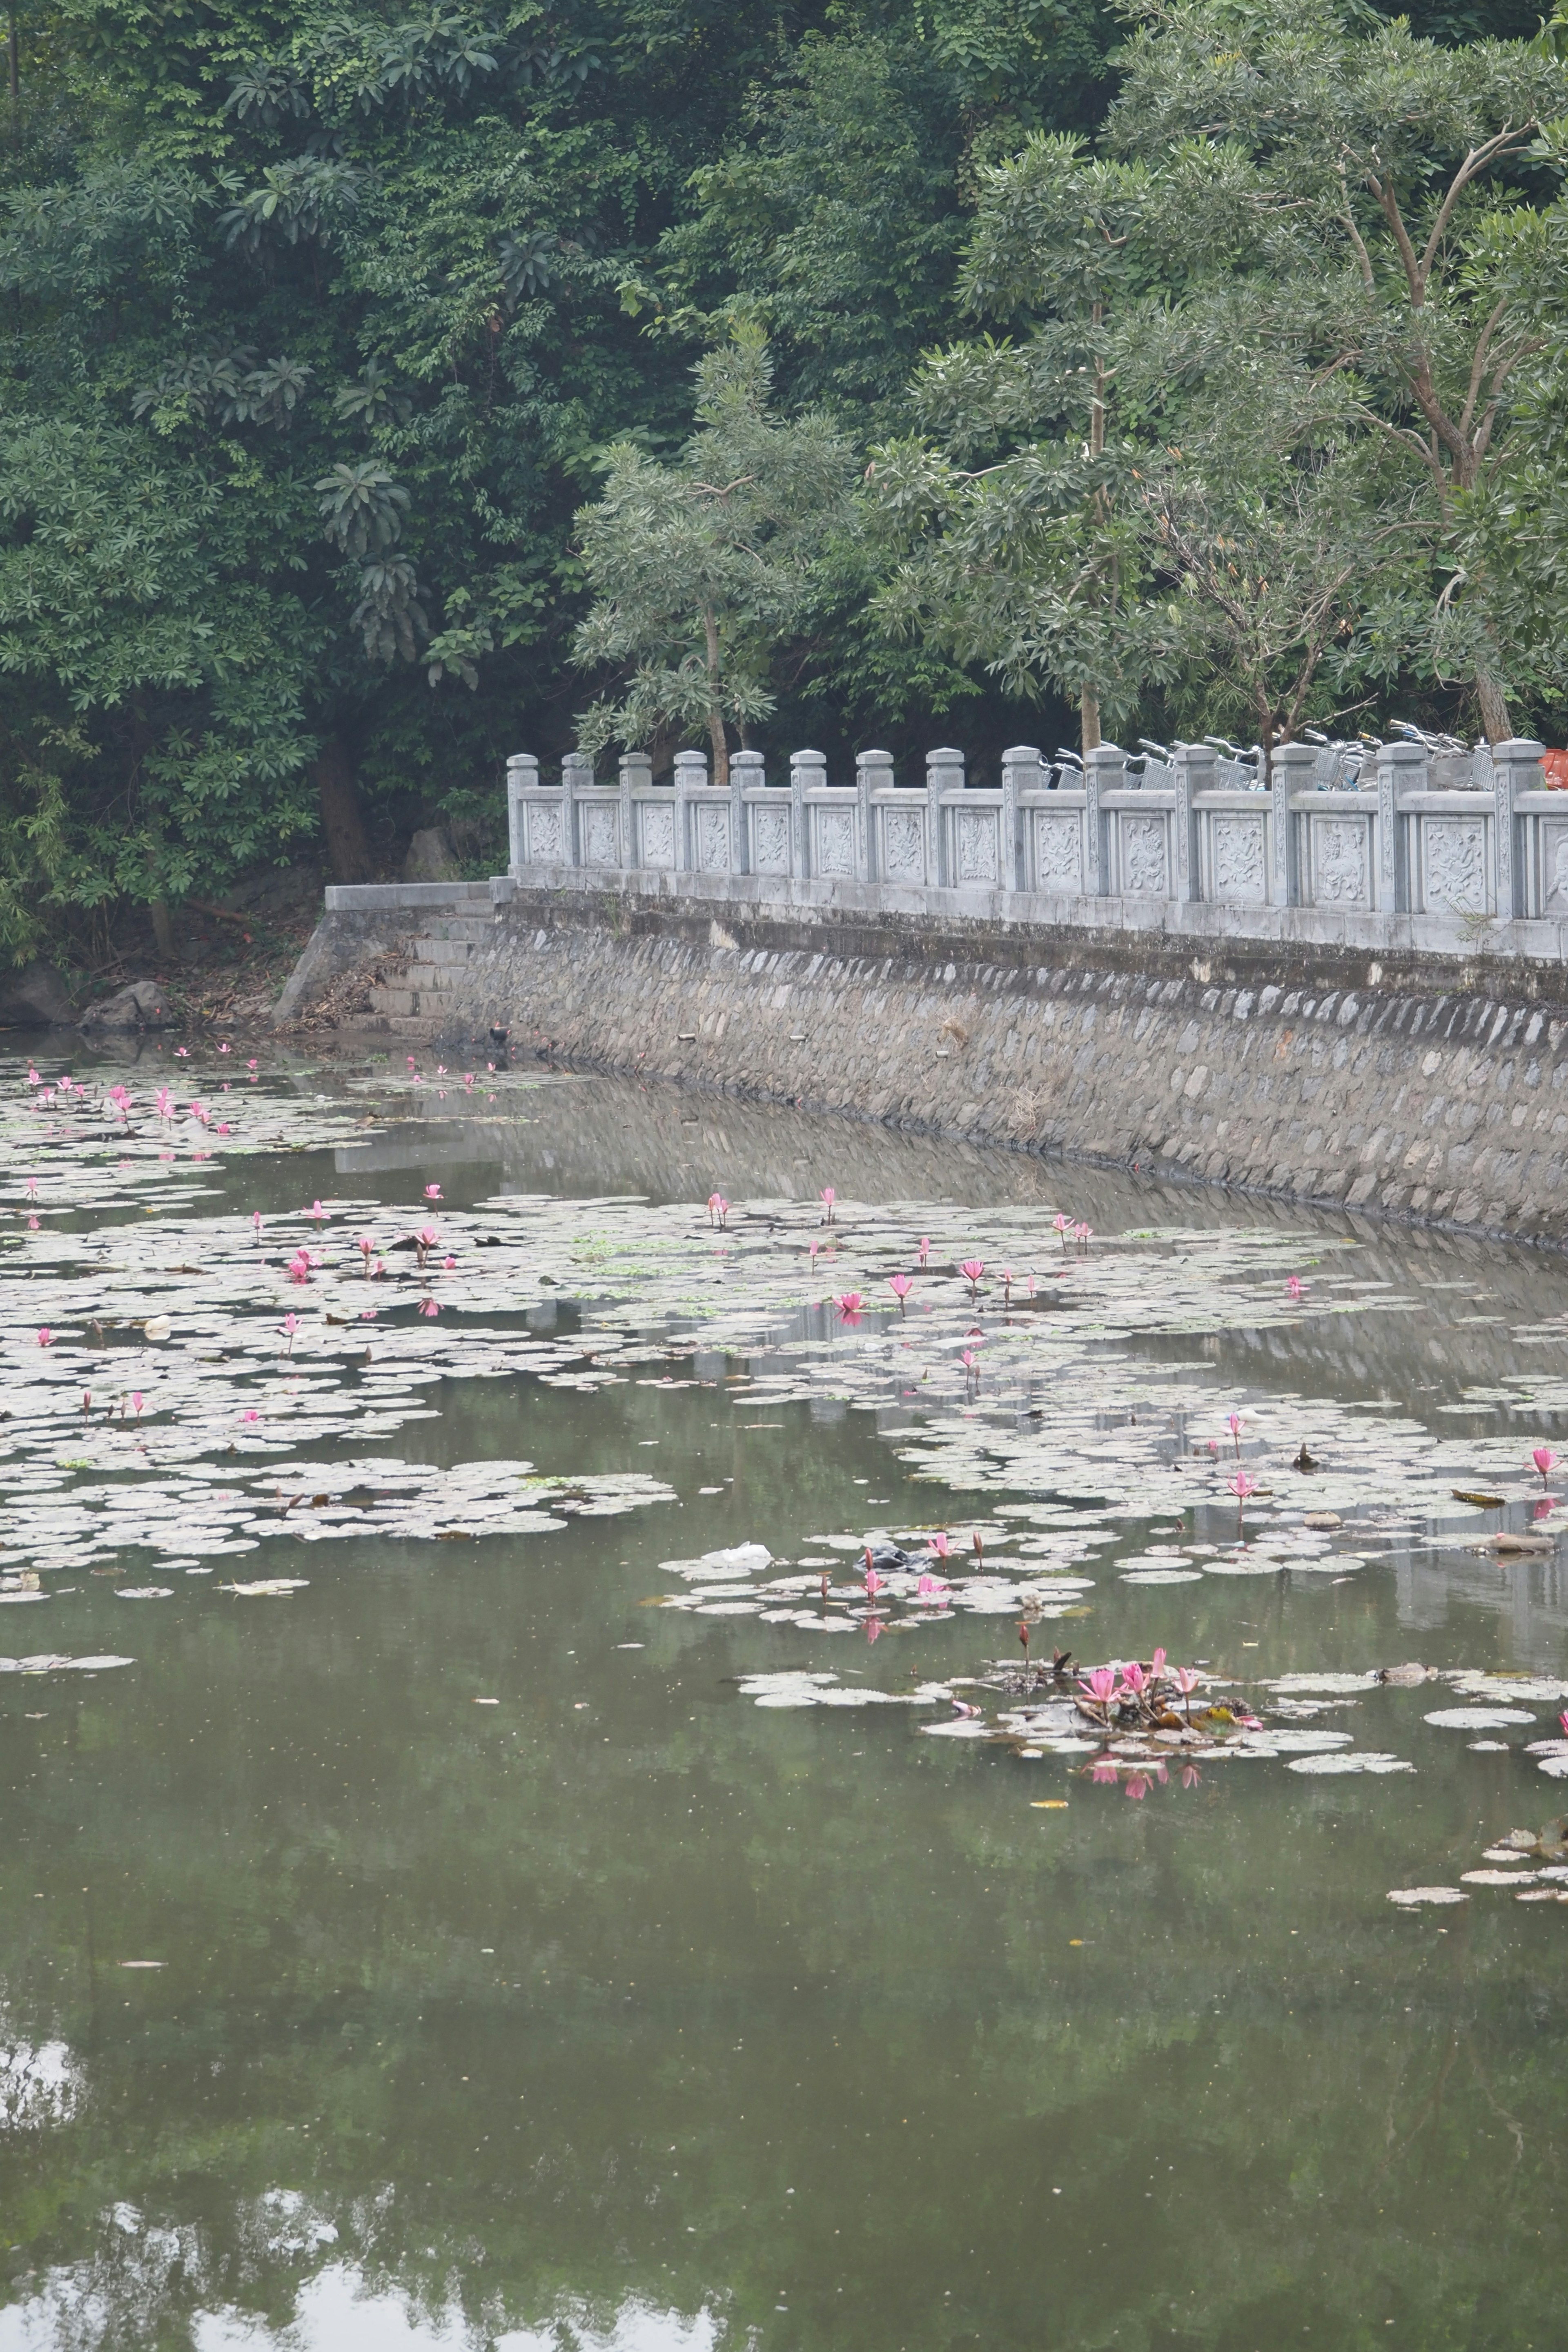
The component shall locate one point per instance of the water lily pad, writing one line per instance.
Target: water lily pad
(1411, 1898)
(1361, 1759)
(1476, 1718)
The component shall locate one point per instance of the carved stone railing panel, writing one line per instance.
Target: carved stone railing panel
(1433, 843)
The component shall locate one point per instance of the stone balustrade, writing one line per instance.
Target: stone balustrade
(1449, 853)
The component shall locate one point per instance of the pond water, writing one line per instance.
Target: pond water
(503, 1926)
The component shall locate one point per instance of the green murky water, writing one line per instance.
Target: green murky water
(521, 1981)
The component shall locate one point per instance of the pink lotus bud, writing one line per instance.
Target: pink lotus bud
(1543, 1458)
(46, 1336)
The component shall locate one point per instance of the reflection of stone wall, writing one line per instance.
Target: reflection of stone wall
(579, 1136)
(1325, 1087)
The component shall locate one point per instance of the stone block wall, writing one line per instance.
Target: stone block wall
(1440, 1093)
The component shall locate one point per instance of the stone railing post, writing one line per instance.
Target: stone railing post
(873, 773)
(1104, 771)
(1291, 769)
(1517, 764)
(944, 773)
(1194, 767)
(1020, 774)
(748, 773)
(576, 776)
(1401, 769)
(635, 776)
(808, 774)
(521, 776)
(691, 781)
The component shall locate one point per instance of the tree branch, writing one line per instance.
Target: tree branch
(1476, 161)
(1362, 256)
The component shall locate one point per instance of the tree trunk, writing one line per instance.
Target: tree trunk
(162, 930)
(720, 748)
(715, 718)
(342, 827)
(1494, 707)
(1089, 718)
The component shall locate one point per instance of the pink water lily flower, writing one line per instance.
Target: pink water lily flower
(1063, 1225)
(1242, 1484)
(849, 1303)
(250, 1413)
(1186, 1679)
(432, 1191)
(1134, 1679)
(900, 1286)
(1294, 1287)
(429, 1307)
(925, 1249)
(46, 1336)
(931, 1588)
(1543, 1458)
(828, 1197)
(251, 1066)
(941, 1544)
(1101, 1685)
(972, 1268)
(1157, 1665)
(136, 1401)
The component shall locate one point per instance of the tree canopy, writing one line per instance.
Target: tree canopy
(359, 371)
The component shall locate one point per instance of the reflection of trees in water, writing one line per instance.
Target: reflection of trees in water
(820, 1955)
(850, 1976)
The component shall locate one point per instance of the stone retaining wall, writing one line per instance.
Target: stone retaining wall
(1438, 1092)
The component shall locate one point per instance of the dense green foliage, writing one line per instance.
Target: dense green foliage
(320, 331)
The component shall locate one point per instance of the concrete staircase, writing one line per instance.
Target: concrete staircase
(432, 996)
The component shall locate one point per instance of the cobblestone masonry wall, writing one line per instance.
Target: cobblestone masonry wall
(1331, 1084)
